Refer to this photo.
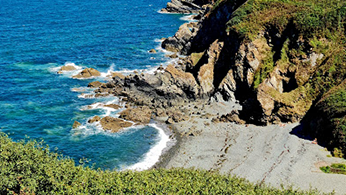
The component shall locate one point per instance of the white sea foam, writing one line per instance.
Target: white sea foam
(188, 18)
(89, 129)
(154, 153)
(86, 96)
(67, 73)
(158, 40)
(81, 89)
(109, 71)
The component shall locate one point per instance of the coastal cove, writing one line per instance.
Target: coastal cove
(41, 104)
(180, 97)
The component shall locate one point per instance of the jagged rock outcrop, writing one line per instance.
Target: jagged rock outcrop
(139, 115)
(268, 67)
(181, 41)
(114, 124)
(184, 6)
(87, 73)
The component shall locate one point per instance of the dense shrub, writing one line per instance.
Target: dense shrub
(31, 168)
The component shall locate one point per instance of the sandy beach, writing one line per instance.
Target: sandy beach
(261, 154)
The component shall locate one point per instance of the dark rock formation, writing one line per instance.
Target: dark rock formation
(326, 120)
(183, 6)
(181, 41)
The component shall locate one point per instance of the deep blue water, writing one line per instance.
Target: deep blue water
(39, 36)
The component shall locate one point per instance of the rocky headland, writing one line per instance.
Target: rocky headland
(250, 86)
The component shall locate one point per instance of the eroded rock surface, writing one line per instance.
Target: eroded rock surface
(114, 124)
(139, 115)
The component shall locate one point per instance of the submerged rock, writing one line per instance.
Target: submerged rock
(114, 124)
(66, 68)
(152, 51)
(87, 73)
(76, 124)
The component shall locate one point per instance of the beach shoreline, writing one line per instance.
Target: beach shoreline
(270, 155)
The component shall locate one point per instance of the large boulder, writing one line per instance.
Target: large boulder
(141, 115)
(114, 124)
(180, 42)
(87, 73)
(183, 80)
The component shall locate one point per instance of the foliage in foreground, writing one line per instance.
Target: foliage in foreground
(31, 168)
(335, 168)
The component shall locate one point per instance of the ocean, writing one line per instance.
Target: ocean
(38, 37)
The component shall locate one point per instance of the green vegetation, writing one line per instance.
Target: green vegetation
(331, 110)
(266, 68)
(335, 168)
(322, 17)
(30, 168)
(338, 153)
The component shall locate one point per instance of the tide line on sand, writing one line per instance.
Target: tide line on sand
(152, 157)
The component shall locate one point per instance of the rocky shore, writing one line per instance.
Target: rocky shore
(234, 103)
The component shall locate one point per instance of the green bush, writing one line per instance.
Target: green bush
(335, 168)
(30, 168)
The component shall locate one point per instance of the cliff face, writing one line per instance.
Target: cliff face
(276, 59)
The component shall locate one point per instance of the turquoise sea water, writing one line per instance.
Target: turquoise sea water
(39, 36)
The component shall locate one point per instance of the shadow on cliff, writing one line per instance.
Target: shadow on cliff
(214, 25)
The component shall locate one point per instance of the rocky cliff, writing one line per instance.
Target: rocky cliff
(186, 6)
(274, 57)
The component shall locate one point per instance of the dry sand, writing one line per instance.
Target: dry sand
(270, 154)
